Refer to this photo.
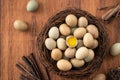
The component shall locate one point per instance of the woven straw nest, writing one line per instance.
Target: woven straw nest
(88, 68)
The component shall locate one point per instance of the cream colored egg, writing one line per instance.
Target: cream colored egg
(93, 30)
(32, 5)
(80, 44)
(81, 53)
(90, 56)
(56, 54)
(82, 22)
(50, 43)
(99, 77)
(64, 65)
(80, 32)
(115, 49)
(77, 62)
(71, 20)
(64, 29)
(53, 32)
(88, 40)
(61, 43)
(70, 52)
(95, 44)
(20, 25)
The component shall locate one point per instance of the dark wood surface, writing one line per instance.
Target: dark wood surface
(14, 44)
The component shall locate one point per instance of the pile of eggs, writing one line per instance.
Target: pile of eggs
(72, 43)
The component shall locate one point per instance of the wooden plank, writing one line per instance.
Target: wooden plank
(14, 44)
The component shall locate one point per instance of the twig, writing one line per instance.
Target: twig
(105, 7)
(107, 13)
(35, 64)
(22, 68)
(110, 13)
(48, 76)
(23, 77)
(27, 61)
(118, 13)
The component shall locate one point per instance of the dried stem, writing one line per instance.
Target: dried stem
(27, 61)
(36, 66)
(105, 7)
(23, 77)
(35, 72)
(22, 68)
(110, 13)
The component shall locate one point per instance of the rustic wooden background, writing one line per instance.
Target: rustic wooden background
(14, 44)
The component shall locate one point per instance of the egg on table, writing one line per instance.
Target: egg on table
(115, 49)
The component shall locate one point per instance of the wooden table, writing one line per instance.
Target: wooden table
(14, 44)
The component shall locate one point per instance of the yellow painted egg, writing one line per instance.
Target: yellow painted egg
(71, 41)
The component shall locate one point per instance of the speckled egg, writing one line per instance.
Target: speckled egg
(93, 30)
(70, 52)
(82, 22)
(79, 32)
(20, 25)
(81, 53)
(77, 63)
(64, 65)
(50, 43)
(61, 43)
(64, 29)
(95, 44)
(115, 49)
(56, 54)
(88, 40)
(53, 32)
(71, 20)
(90, 56)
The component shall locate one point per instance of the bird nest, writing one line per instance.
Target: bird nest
(88, 68)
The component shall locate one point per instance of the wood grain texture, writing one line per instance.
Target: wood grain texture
(14, 44)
